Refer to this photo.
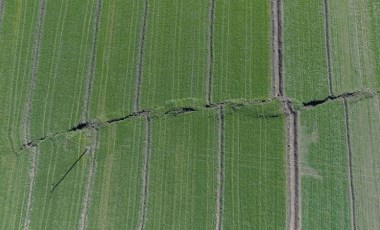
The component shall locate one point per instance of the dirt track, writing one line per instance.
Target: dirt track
(210, 64)
(220, 175)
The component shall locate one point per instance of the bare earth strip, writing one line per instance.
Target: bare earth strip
(328, 56)
(140, 57)
(33, 78)
(90, 179)
(210, 64)
(293, 178)
(275, 43)
(280, 23)
(32, 175)
(145, 171)
(220, 176)
(352, 193)
(92, 63)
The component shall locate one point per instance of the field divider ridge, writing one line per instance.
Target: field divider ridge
(145, 171)
(91, 65)
(220, 174)
(350, 173)
(140, 57)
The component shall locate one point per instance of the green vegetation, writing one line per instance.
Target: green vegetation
(60, 208)
(65, 51)
(306, 65)
(255, 182)
(116, 192)
(183, 168)
(175, 53)
(242, 50)
(355, 47)
(364, 121)
(116, 61)
(324, 168)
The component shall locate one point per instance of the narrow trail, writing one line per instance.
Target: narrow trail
(210, 64)
(90, 179)
(220, 175)
(32, 178)
(140, 58)
(145, 171)
(275, 70)
(91, 66)
(328, 56)
(351, 183)
(34, 72)
(280, 20)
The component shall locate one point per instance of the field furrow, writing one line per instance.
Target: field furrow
(242, 50)
(364, 128)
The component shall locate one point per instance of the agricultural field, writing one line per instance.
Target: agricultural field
(203, 114)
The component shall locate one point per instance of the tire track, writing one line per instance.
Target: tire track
(140, 58)
(34, 72)
(35, 152)
(293, 174)
(280, 48)
(91, 67)
(210, 64)
(327, 38)
(351, 183)
(220, 175)
(275, 43)
(145, 171)
(90, 179)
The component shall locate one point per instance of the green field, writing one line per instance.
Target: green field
(202, 114)
(324, 168)
(364, 121)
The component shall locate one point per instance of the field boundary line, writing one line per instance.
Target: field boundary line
(220, 173)
(275, 43)
(92, 62)
(35, 152)
(33, 77)
(210, 64)
(350, 173)
(145, 171)
(83, 221)
(280, 49)
(328, 54)
(140, 57)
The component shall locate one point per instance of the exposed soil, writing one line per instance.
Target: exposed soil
(90, 179)
(220, 176)
(275, 69)
(280, 48)
(145, 171)
(210, 64)
(352, 192)
(140, 57)
(91, 66)
(328, 56)
(32, 178)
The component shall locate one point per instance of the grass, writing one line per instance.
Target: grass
(324, 168)
(116, 193)
(364, 121)
(255, 179)
(175, 54)
(183, 167)
(63, 66)
(116, 60)
(354, 45)
(306, 66)
(242, 50)
(60, 209)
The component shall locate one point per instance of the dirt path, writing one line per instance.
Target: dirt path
(140, 58)
(293, 174)
(280, 20)
(275, 69)
(145, 171)
(91, 66)
(35, 152)
(351, 184)
(220, 176)
(328, 56)
(210, 64)
(90, 179)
